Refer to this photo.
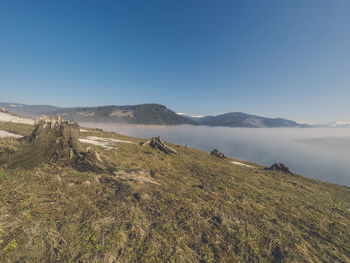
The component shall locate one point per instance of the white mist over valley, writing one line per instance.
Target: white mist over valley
(319, 153)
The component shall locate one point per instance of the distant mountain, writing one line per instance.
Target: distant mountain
(133, 114)
(147, 114)
(239, 119)
(28, 110)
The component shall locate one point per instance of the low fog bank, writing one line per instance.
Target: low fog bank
(320, 153)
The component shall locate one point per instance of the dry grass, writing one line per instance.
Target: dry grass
(201, 210)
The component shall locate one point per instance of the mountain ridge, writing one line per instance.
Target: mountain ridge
(148, 114)
(240, 119)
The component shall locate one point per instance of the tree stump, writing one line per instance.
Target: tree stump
(157, 143)
(280, 167)
(218, 154)
(56, 141)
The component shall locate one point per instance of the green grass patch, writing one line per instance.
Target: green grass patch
(11, 245)
(3, 174)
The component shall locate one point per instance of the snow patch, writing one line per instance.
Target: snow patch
(104, 145)
(193, 116)
(9, 134)
(241, 164)
(6, 117)
(106, 139)
(103, 142)
(197, 116)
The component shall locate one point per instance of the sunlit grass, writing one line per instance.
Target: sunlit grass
(202, 209)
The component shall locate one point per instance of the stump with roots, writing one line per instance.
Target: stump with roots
(157, 143)
(218, 154)
(280, 167)
(56, 141)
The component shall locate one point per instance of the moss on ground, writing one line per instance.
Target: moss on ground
(199, 209)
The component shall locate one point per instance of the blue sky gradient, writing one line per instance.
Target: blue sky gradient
(273, 58)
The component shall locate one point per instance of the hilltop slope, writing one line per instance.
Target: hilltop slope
(183, 207)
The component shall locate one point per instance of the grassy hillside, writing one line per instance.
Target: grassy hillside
(188, 207)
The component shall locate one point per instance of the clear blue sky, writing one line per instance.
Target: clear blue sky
(273, 58)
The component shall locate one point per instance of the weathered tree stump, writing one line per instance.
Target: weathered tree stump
(56, 141)
(280, 167)
(157, 143)
(218, 154)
